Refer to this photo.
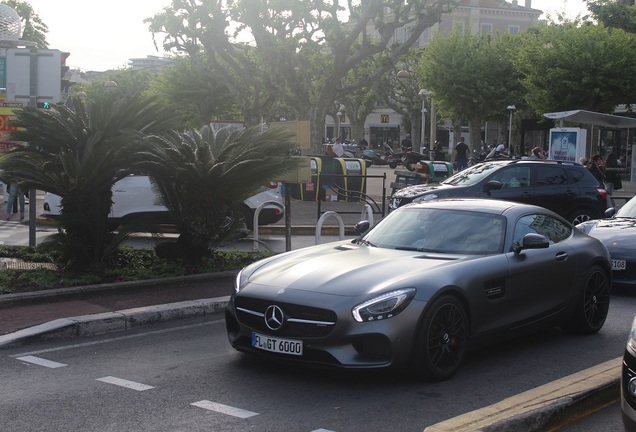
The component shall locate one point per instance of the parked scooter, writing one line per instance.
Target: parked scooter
(391, 158)
(411, 158)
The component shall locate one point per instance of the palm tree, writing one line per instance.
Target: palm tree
(79, 155)
(203, 177)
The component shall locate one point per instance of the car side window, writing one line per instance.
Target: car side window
(553, 229)
(511, 177)
(551, 175)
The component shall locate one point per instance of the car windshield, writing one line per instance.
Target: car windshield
(628, 210)
(472, 175)
(439, 230)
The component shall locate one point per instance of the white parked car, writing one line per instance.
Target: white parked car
(134, 199)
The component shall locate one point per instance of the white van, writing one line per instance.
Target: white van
(134, 199)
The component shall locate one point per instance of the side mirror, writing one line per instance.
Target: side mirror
(610, 212)
(362, 227)
(492, 185)
(531, 241)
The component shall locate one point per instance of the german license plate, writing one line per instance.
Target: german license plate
(619, 265)
(277, 345)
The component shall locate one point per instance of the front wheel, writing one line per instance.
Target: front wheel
(393, 165)
(442, 340)
(592, 305)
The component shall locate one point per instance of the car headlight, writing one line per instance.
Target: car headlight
(240, 280)
(425, 198)
(631, 341)
(384, 306)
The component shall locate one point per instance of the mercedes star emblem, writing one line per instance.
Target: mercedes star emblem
(274, 317)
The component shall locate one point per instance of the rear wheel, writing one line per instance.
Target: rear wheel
(592, 305)
(393, 165)
(580, 216)
(442, 340)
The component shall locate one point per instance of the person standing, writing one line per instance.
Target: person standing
(439, 151)
(597, 169)
(612, 174)
(406, 142)
(537, 153)
(338, 148)
(461, 155)
(363, 144)
(14, 193)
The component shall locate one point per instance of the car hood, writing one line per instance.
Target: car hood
(346, 269)
(417, 190)
(614, 233)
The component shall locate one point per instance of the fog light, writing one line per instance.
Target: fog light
(631, 387)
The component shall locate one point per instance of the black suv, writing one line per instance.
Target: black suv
(566, 188)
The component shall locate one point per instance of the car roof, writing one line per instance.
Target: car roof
(533, 161)
(484, 205)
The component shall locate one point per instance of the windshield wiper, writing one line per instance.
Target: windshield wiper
(415, 249)
(366, 243)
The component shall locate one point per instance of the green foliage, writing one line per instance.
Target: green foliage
(127, 264)
(303, 52)
(571, 66)
(203, 178)
(79, 154)
(614, 13)
(34, 29)
(195, 94)
(5, 282)
(472, 77)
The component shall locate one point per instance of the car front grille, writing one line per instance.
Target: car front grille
(299, 321)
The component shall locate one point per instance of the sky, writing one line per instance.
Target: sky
(105, 35)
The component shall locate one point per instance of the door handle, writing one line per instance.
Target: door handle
(561, 256)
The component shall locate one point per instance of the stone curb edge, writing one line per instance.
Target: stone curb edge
(546, 407)
(94, 324)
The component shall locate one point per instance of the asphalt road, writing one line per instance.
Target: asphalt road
(200, 383)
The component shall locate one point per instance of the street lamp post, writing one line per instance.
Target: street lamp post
(512, 109)
(423, 93)
(341, 116)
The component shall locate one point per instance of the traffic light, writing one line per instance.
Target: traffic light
(66, 84)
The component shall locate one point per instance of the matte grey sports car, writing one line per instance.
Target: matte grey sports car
(619, 236)
(420, 288)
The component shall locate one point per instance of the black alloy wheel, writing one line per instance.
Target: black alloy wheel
(442, 342)
(592, 305)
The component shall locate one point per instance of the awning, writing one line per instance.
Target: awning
(593, 118)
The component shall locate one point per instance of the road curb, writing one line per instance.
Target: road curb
(546, 407)
(94, 324)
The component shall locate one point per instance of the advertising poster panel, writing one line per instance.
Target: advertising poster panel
(567, 144)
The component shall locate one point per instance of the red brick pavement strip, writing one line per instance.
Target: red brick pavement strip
(20, 311)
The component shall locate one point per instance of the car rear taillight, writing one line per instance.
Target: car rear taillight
(271, 185)
(602, 192)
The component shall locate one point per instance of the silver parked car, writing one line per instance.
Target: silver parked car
(419, 289)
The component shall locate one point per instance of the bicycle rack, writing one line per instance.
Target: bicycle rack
(322, 219)
(255, 225)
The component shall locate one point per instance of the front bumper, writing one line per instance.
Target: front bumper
(347, 344)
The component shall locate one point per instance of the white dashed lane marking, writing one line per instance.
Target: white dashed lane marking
(224, 409)
(41, 362)
(125, 383)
